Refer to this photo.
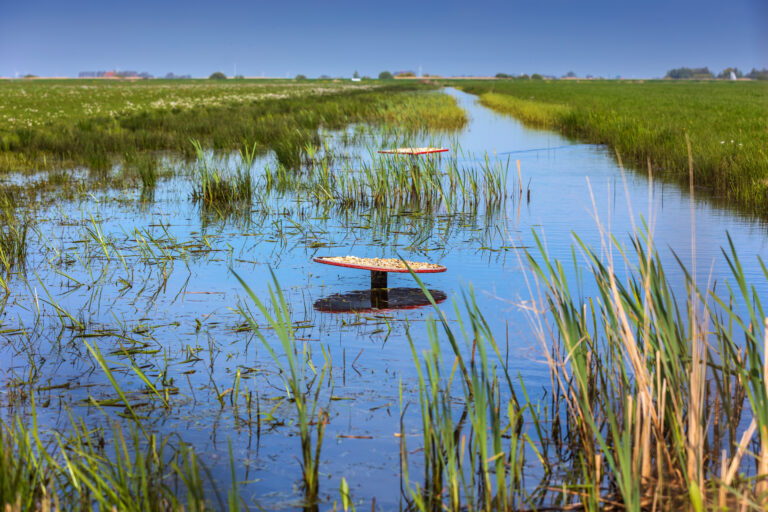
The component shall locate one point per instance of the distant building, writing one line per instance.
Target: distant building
(91, 74)
(113, 74)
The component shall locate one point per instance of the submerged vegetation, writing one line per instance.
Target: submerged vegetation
(649, 122)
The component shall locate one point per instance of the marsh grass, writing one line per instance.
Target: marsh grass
(473, 441)
(273, 116)
(218, 188)
(74, 470)
(653, 387)
(655, 400)
(112, 464)
(14, 229)
(531, 112)
(428, 185)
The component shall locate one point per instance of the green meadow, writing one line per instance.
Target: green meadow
(48, 124)
(647, 123)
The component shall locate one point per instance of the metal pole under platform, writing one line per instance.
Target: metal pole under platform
(378, 279)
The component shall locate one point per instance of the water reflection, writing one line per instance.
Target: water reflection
(377, 299)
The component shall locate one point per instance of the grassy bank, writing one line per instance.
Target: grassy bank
(725, 122)
(54, 124)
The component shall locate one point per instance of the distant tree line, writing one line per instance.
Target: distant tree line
(704, 73)
(522, 76)
(688, 73)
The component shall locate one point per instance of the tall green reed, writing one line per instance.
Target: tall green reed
(298, 384)
(655, 400)
(642, 378)
(83, 468)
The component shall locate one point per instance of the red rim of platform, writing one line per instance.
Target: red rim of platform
(380, 269)
(412, 151)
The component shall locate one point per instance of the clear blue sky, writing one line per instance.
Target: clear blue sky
(279, 38)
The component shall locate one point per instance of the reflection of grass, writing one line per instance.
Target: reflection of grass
(648, 121)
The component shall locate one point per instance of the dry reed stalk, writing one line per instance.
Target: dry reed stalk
(629, 344)
(645, 471)
(732, 468)
(696, 434)
(761, 489)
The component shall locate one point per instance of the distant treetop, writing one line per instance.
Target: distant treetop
(726, 73)
(385, 75)
(689, 73)
(218, 75)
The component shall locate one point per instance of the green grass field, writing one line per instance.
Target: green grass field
(726, 122)
(60, 123)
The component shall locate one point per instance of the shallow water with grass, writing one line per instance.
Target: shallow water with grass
(152, 306)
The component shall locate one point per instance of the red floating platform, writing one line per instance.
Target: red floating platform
(412, 151)
(379, 272)
(431, 270)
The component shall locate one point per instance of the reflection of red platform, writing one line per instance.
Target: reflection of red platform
(379, 274)
(378, 300)
(412, 151)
